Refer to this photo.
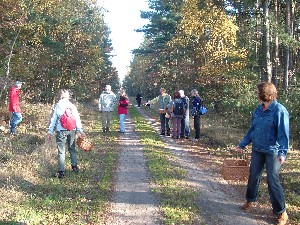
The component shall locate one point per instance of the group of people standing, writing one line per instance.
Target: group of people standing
(178, 110)
(268, 133)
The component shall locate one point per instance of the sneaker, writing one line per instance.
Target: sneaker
(162, 133)
(187, 137)
(75, 169)
(168, 133)
(282, 219)
(247, 206)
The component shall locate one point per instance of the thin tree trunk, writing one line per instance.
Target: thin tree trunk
(8, 64)
(276, 46)
(286, 48)
(267, 65)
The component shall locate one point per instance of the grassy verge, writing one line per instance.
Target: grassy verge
(177, 199)
(29, 192)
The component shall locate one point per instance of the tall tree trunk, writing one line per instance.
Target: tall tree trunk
(276, 45)
(286, 48)
(266, 58)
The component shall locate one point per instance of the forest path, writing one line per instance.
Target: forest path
(219, 202)
(132, 201)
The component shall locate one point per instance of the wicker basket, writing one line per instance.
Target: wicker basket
(84, 143)
(235, 169)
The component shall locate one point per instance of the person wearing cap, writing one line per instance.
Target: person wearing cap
(14, 106)
(107, 102)
(185, 122)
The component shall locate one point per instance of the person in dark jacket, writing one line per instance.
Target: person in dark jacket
(14, 106)
(196, 104)
(139, 99)
(269, 135)
(185, 122)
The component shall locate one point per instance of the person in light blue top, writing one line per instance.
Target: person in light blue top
(63, 136)
(269, 135)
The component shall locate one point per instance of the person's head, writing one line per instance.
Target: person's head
(123, 93)
(64, 93)
(181, 92)
(163, 91)
(108, 88)
(194, 92)
(177, 95)
(18, 84)
(266, 92)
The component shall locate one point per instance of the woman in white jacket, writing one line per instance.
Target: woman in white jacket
(107, 102)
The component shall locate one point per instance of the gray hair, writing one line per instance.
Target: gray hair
(195, 92)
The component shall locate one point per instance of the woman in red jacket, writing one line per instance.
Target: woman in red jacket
(14, 106)
(123, 110)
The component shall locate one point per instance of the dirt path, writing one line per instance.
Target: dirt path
(132, 202)
(219, 202)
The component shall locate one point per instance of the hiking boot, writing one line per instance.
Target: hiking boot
(282, 219)
(162, 132)
(168, 133)
(75, 169)
(104, 129)
(107, 129)
(60, 174)
(247, 206)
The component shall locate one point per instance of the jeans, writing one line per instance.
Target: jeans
(64, 138)
(122, 122)
(258, 161)
(164, 122)
(197, 126)
(106, 117)
(16, 118)
(185, 126)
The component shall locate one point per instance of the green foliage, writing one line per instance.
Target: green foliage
(60, 44)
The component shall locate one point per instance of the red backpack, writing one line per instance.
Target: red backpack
(68, 120)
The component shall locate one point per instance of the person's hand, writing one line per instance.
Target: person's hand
(82, 135)
(281, 159)
(238, 149)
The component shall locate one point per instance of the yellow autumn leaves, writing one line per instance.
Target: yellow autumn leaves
(212, 33)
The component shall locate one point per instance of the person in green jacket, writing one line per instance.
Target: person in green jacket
(164, 101)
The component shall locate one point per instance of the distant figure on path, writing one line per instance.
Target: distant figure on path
(14, 106)
(269, 135)
(139, 99)
(107, 102)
